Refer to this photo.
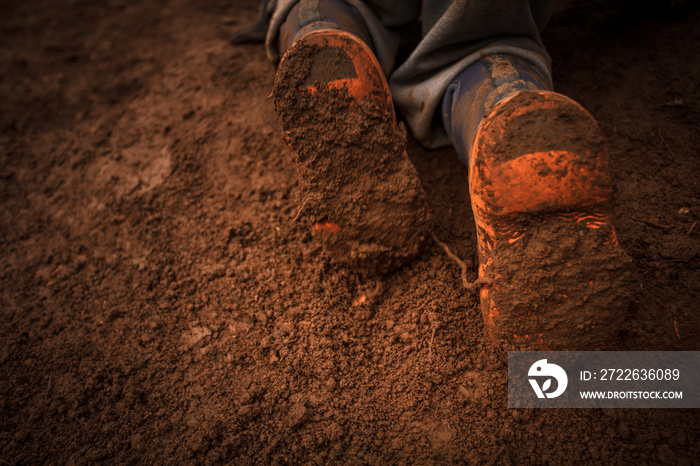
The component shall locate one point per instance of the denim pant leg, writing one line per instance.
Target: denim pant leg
(379, 16)
(455, 34)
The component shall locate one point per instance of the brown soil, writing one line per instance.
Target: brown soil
(158, 303)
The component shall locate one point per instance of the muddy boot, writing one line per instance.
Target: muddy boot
(358, 188)
(541, 193)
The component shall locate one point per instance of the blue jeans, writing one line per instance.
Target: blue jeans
(454, 34)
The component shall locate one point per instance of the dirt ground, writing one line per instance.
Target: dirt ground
(159, 303)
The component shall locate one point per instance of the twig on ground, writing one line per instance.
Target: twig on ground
(301, 208)
(690, 230)
(303, 205)
(48, 389)
(430, 346)
(465, 282)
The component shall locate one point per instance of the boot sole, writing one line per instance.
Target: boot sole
(541, 196)
(357, 186)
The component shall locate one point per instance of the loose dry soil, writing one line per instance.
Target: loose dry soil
(159, 304)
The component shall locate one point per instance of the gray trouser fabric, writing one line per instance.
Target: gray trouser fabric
(455, 34)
